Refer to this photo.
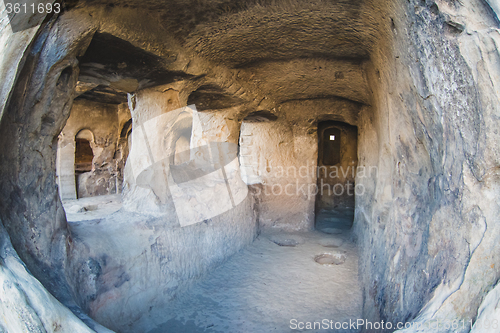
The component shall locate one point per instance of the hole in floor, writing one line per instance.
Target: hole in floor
(286, 240)
(330, 258)
(88, 208)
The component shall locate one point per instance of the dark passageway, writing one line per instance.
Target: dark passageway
(337, 167)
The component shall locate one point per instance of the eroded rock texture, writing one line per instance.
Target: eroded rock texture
(432, 227)
(418, 80)
(26, 306)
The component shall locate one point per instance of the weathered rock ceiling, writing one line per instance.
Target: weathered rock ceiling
(112, 67)
(211, 97)
(282, 50)
(305, 31)
(308, 78)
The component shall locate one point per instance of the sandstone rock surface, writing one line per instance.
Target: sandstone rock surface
(419, 80)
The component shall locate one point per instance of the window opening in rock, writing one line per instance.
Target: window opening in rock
(331, 146)
(84, 155)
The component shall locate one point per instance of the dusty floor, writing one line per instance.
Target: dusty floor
(264, 287)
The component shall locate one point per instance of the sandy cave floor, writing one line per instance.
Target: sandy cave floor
(264, 286)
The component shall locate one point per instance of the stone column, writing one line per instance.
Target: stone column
(65, 167)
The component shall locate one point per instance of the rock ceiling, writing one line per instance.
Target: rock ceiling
(278, 50)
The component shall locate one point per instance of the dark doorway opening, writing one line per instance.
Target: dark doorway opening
(83, 160)
(83, 156)
(337, 165)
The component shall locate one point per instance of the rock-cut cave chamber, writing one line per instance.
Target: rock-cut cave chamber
(250, 166)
